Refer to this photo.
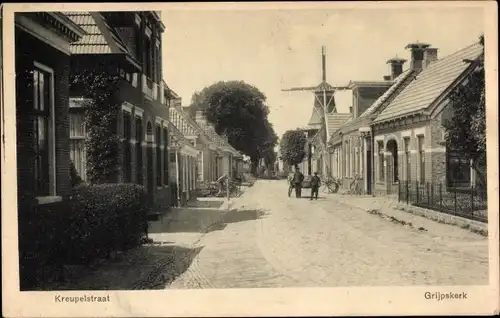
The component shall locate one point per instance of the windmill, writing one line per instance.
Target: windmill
(324, 100)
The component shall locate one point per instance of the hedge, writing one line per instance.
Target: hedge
(94, 221)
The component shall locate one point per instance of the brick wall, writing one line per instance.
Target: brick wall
(434, 151)
(367, 96)
(29, 50)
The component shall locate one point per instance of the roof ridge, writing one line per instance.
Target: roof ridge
(455, 53)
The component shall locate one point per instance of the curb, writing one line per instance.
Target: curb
(443, 218)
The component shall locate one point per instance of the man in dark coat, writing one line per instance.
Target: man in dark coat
(315, 183)
(298, 177)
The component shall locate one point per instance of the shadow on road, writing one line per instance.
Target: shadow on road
(201, 220)
(235, 216)
(146, 267)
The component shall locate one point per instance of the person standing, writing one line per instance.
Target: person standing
(298, 177)
(315, 183)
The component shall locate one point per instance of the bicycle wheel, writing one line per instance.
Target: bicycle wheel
(333, 187)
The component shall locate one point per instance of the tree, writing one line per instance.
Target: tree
(292, 147)
(466, 129)
(238, 110)
(100, 85)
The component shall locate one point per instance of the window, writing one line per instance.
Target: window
(149, 61)
(127, 147)
(381, 161)
(421, 156)
(159, 169)
(458, 171)
(138, 38)
(138, 148)
(158, 60)
(346, 159)
(43, 128)
(165, 156)
(77, 135)
(407, 160)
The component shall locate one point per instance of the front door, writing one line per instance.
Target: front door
(369, 171)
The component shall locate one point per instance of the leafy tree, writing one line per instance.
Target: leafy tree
(100, 86)
(238, 110)
(292, 147)
(466, 129)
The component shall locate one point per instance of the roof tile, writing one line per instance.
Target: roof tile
(98, 40)
(430, 83)
(336, 120)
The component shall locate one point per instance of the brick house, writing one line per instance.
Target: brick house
(348, 148)
(183, 156)
(128, 44)
(42, 63)
(408, 133)
(224, 156)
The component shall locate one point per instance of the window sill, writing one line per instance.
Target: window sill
(48, 199)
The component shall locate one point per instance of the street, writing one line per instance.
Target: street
(269, 240)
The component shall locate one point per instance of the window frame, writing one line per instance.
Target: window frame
(139, 137)
(421, 158)
(50, 133)
(407, 161)
(381, 161)
(159, 161)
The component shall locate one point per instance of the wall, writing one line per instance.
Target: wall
(28, 50)
(435, 155)
(366, 96)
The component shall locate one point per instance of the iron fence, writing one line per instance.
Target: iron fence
(469, 202)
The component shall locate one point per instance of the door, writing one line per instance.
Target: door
(369, 171)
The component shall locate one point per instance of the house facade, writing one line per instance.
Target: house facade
(184, 157)
(42, 64)
(400, 136)
(409, 134)
(224, 159)
(128, 45)
(349, 151)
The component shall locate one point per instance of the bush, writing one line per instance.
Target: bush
(74, 177)
(92, 222)
(105, 218)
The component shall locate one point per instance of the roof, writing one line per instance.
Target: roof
(430, 84)
(398, 81)
(336, 120)
(316, 118)
(100, 37)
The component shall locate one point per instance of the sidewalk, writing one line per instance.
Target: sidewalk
(156, 264)
(389, 207)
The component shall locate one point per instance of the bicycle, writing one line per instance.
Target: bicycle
(331, 184)
(354, 187)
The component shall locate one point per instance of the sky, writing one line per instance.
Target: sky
(278, 49)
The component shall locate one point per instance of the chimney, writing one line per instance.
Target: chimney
(417, 55)
(396, 67)
(350, 109)
(430, 55)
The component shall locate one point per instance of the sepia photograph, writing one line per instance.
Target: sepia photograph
(252, 154)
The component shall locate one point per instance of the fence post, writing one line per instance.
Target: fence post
(417, 188)
(432, 194)
(455, 194)
(407, 192)
(428, 196)
(472, 200)
(399, 192)
(441, 196)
